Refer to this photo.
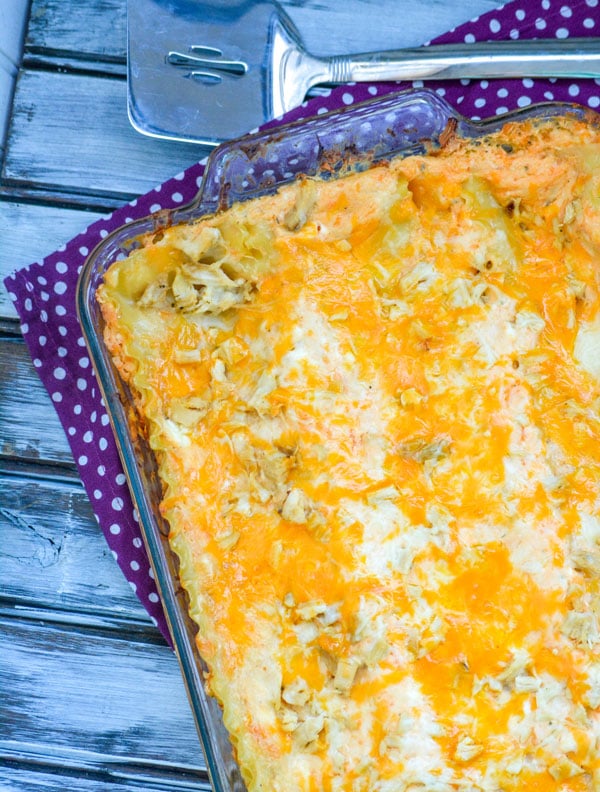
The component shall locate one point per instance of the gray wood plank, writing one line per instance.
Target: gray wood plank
(122, 701)
(29, 427)
(53, 554)
(34, 779)
(91, 28)
(31, 231)
(59, 138)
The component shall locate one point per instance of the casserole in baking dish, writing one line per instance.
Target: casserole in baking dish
(374, 404)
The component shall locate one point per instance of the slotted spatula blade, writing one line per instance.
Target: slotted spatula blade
(198, 71)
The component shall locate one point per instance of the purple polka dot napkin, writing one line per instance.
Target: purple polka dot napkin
(44, 293)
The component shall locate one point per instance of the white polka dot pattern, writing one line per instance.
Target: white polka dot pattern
(44, 293)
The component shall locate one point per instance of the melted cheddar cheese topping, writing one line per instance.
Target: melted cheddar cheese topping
(375, 404)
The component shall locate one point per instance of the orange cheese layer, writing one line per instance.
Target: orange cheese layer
(375, 403)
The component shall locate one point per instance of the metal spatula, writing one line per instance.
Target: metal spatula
(213, 70)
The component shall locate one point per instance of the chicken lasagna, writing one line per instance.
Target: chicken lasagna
(374, 403)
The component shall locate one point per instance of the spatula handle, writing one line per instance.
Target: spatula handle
(519, 58)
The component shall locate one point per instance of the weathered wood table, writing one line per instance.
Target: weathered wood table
(90, 695)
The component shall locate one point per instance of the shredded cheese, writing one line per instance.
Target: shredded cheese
(375, 404)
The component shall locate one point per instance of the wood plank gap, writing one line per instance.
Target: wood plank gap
(102, 197)
(99, 622)
(31, 194)
(73, 764)
(84, 623)
(9, 329)
(52, 468)
(49, 472)
(70, 62)
(44, 51)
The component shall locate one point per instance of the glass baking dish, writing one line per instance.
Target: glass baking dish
(397, 125)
